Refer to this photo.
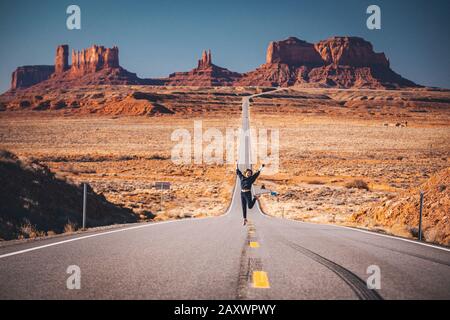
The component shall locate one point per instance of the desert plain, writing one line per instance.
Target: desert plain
(340, 150)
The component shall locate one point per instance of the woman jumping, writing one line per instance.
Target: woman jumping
(247, 179)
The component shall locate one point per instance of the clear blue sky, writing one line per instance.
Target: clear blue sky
(156, 38)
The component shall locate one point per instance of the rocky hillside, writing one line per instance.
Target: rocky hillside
(34, 202)
(400, 215)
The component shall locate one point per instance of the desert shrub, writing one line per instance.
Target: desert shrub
(76, 171)
(357, 184)
(59, 104)
(158, 157)
(74, 104)
(44, 105)
(414, 231)
(70, 227)
(24, 104)
(126, 158)
(316, 182)
(28, 230)
(431, 235)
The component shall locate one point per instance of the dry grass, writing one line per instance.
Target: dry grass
(70, 227)
(30, 232)
(357, 184)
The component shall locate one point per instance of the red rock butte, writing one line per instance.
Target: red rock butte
(94, 59)
(206, 74)
(342, 62)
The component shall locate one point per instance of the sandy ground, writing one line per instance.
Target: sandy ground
(322, 157)
(330, 142)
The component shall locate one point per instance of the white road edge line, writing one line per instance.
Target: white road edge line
(104, 233)
(360, 230)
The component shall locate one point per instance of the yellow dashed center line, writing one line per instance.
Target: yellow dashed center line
(254, 244)
(260, 280)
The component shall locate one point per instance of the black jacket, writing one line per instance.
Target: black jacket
(246, 183)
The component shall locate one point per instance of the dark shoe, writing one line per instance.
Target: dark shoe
(245, 222)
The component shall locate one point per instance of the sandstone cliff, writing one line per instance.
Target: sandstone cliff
(349, 51)
(94, 59)
(27, 76)
(293, 52)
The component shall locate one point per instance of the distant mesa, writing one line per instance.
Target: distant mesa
(342, 62)
(206, 74)
(96, 65)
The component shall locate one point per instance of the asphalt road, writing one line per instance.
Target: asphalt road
(219, 258)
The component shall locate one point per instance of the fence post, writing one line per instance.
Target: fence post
(161, 201)
(420, 216)
(84, 204)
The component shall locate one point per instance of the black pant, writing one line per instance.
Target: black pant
(246, 199)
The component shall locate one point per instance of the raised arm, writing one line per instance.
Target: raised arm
(238, 172)
(256, 175)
